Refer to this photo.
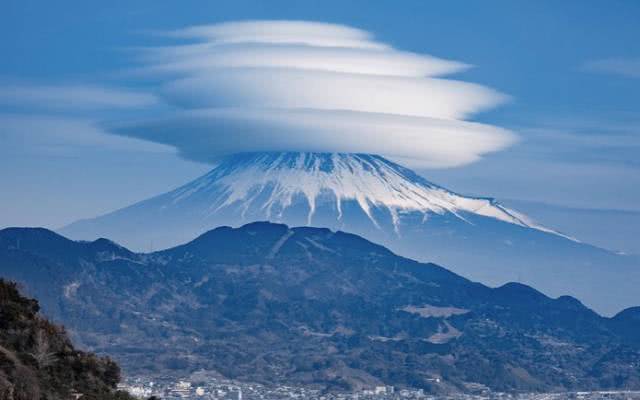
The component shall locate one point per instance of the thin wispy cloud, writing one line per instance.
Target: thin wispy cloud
(583, 140)
(60, 119)
(627, 67)
(293, 85)
(56, 135)
(73, 97)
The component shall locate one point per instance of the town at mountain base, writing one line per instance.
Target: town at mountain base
(270, 304)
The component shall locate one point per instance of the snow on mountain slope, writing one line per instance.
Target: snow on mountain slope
(385, 203)
(367, 179)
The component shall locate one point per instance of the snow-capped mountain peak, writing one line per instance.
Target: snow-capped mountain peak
(278, 179)
(382, 201)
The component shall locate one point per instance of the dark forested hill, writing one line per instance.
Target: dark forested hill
(38, 362)
(273, 304)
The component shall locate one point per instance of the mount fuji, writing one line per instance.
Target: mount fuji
(386, 203)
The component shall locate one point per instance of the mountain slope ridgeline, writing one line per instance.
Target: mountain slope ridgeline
(309, 306)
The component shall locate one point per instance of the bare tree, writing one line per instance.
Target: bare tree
(42, 352)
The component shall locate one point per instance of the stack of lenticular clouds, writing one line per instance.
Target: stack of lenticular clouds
(303, 86)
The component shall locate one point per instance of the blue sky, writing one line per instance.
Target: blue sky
(571, 69)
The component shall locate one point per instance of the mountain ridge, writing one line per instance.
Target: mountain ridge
(309, 306)
(386, 203)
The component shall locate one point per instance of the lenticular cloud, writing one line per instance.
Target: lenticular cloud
(289, 85)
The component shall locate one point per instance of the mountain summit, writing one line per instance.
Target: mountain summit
(382, 201)
(341, 190)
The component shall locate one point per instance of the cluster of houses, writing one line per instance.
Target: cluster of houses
(168, 389)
